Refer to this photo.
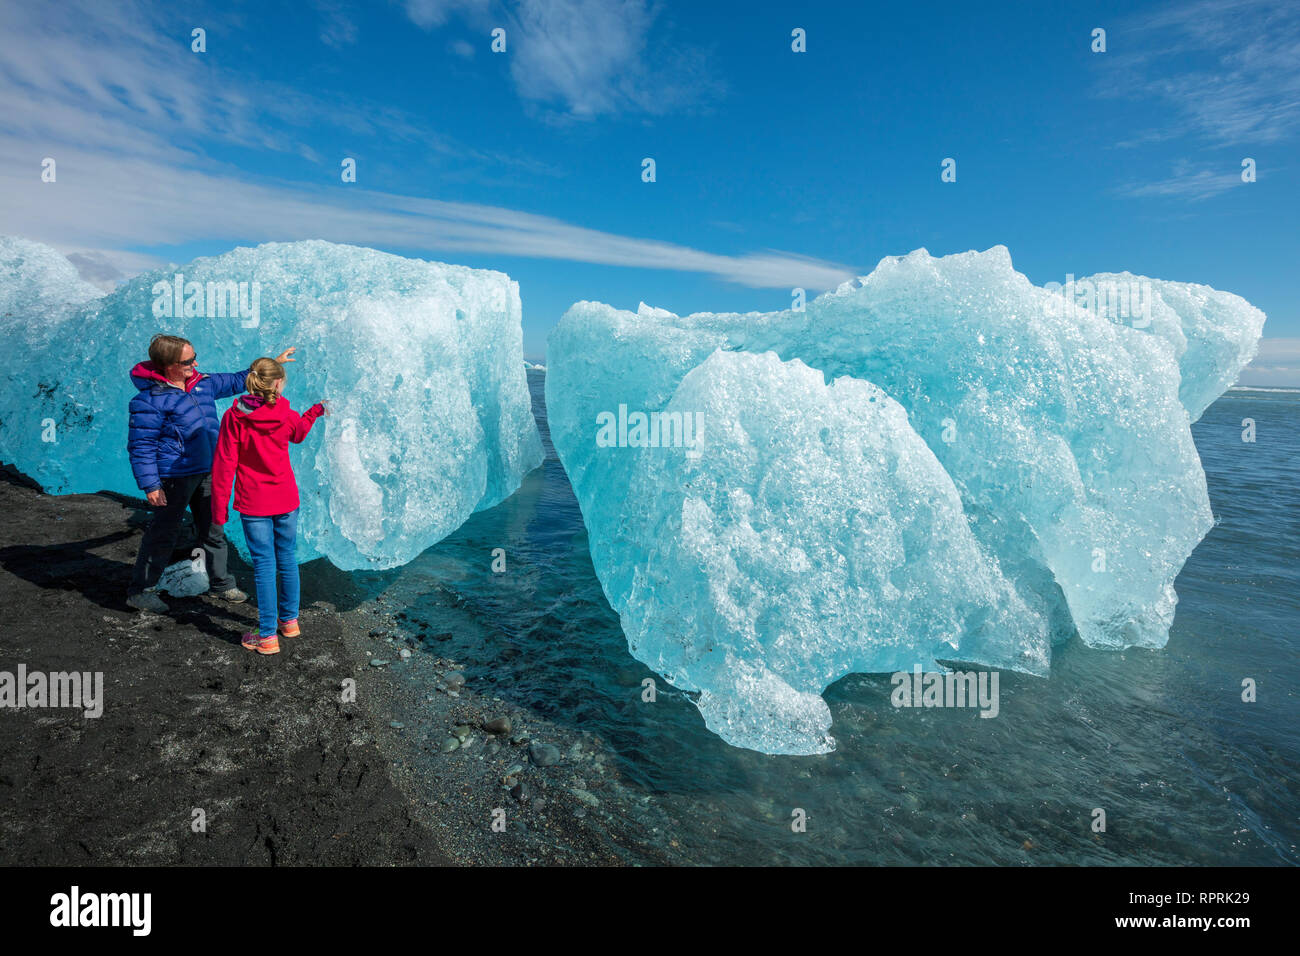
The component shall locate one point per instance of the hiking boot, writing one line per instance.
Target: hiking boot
(232, 595)
(146, 601)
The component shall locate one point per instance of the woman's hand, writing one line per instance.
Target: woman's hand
(325, 405)
(157, 498)
(286, 355)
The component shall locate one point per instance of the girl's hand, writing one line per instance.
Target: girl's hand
(325, 405)
(286, 355)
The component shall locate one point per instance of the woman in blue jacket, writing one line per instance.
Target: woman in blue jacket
(173, 433)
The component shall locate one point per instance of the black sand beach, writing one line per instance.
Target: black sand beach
(284, 771)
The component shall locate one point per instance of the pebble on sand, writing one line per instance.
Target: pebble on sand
(544, 755)
(497, 725)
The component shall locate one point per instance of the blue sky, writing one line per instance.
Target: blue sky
(774, 168)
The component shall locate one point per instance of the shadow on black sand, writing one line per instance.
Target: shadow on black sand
(262, 750)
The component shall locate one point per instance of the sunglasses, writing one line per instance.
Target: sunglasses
(189, 361)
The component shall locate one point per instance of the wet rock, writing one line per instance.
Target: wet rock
(379, 662)
(493, 748)
(520, 792)
(453, 680)
(462, 731)
(515, 769)
(590, 799)
(497, 725)
(404, 653)
(450, 744)
(544, 755)
(396, 724)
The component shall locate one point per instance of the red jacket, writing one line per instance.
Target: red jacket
(254, 443)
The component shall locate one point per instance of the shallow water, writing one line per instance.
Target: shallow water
(1186, 772)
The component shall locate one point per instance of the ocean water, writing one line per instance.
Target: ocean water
(1161, 741)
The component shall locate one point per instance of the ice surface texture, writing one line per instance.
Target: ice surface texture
(422, 364)
(39, 290)
(938, 462)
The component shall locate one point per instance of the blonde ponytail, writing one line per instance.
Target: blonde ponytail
(262, 376)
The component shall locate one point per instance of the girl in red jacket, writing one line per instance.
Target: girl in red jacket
(254, 445)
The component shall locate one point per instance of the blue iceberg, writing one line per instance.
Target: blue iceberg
(422, 363)
(938, 462)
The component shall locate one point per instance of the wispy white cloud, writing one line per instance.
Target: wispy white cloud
(587, 57)
(1187, 182)
(337, 28)
(121, 120)
(128, 84)
(135, 201)
(434, 13)
(1226, 71)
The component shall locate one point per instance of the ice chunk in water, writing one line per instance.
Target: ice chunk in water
(816, 535)
(1061, 431)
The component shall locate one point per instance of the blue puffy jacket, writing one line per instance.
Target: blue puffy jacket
(173, 431)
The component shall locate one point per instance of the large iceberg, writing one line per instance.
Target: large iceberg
(938, 462)
(422, 364)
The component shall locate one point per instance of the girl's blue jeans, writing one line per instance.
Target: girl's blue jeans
(273, 543)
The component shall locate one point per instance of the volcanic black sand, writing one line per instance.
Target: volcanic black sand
(285, 769)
